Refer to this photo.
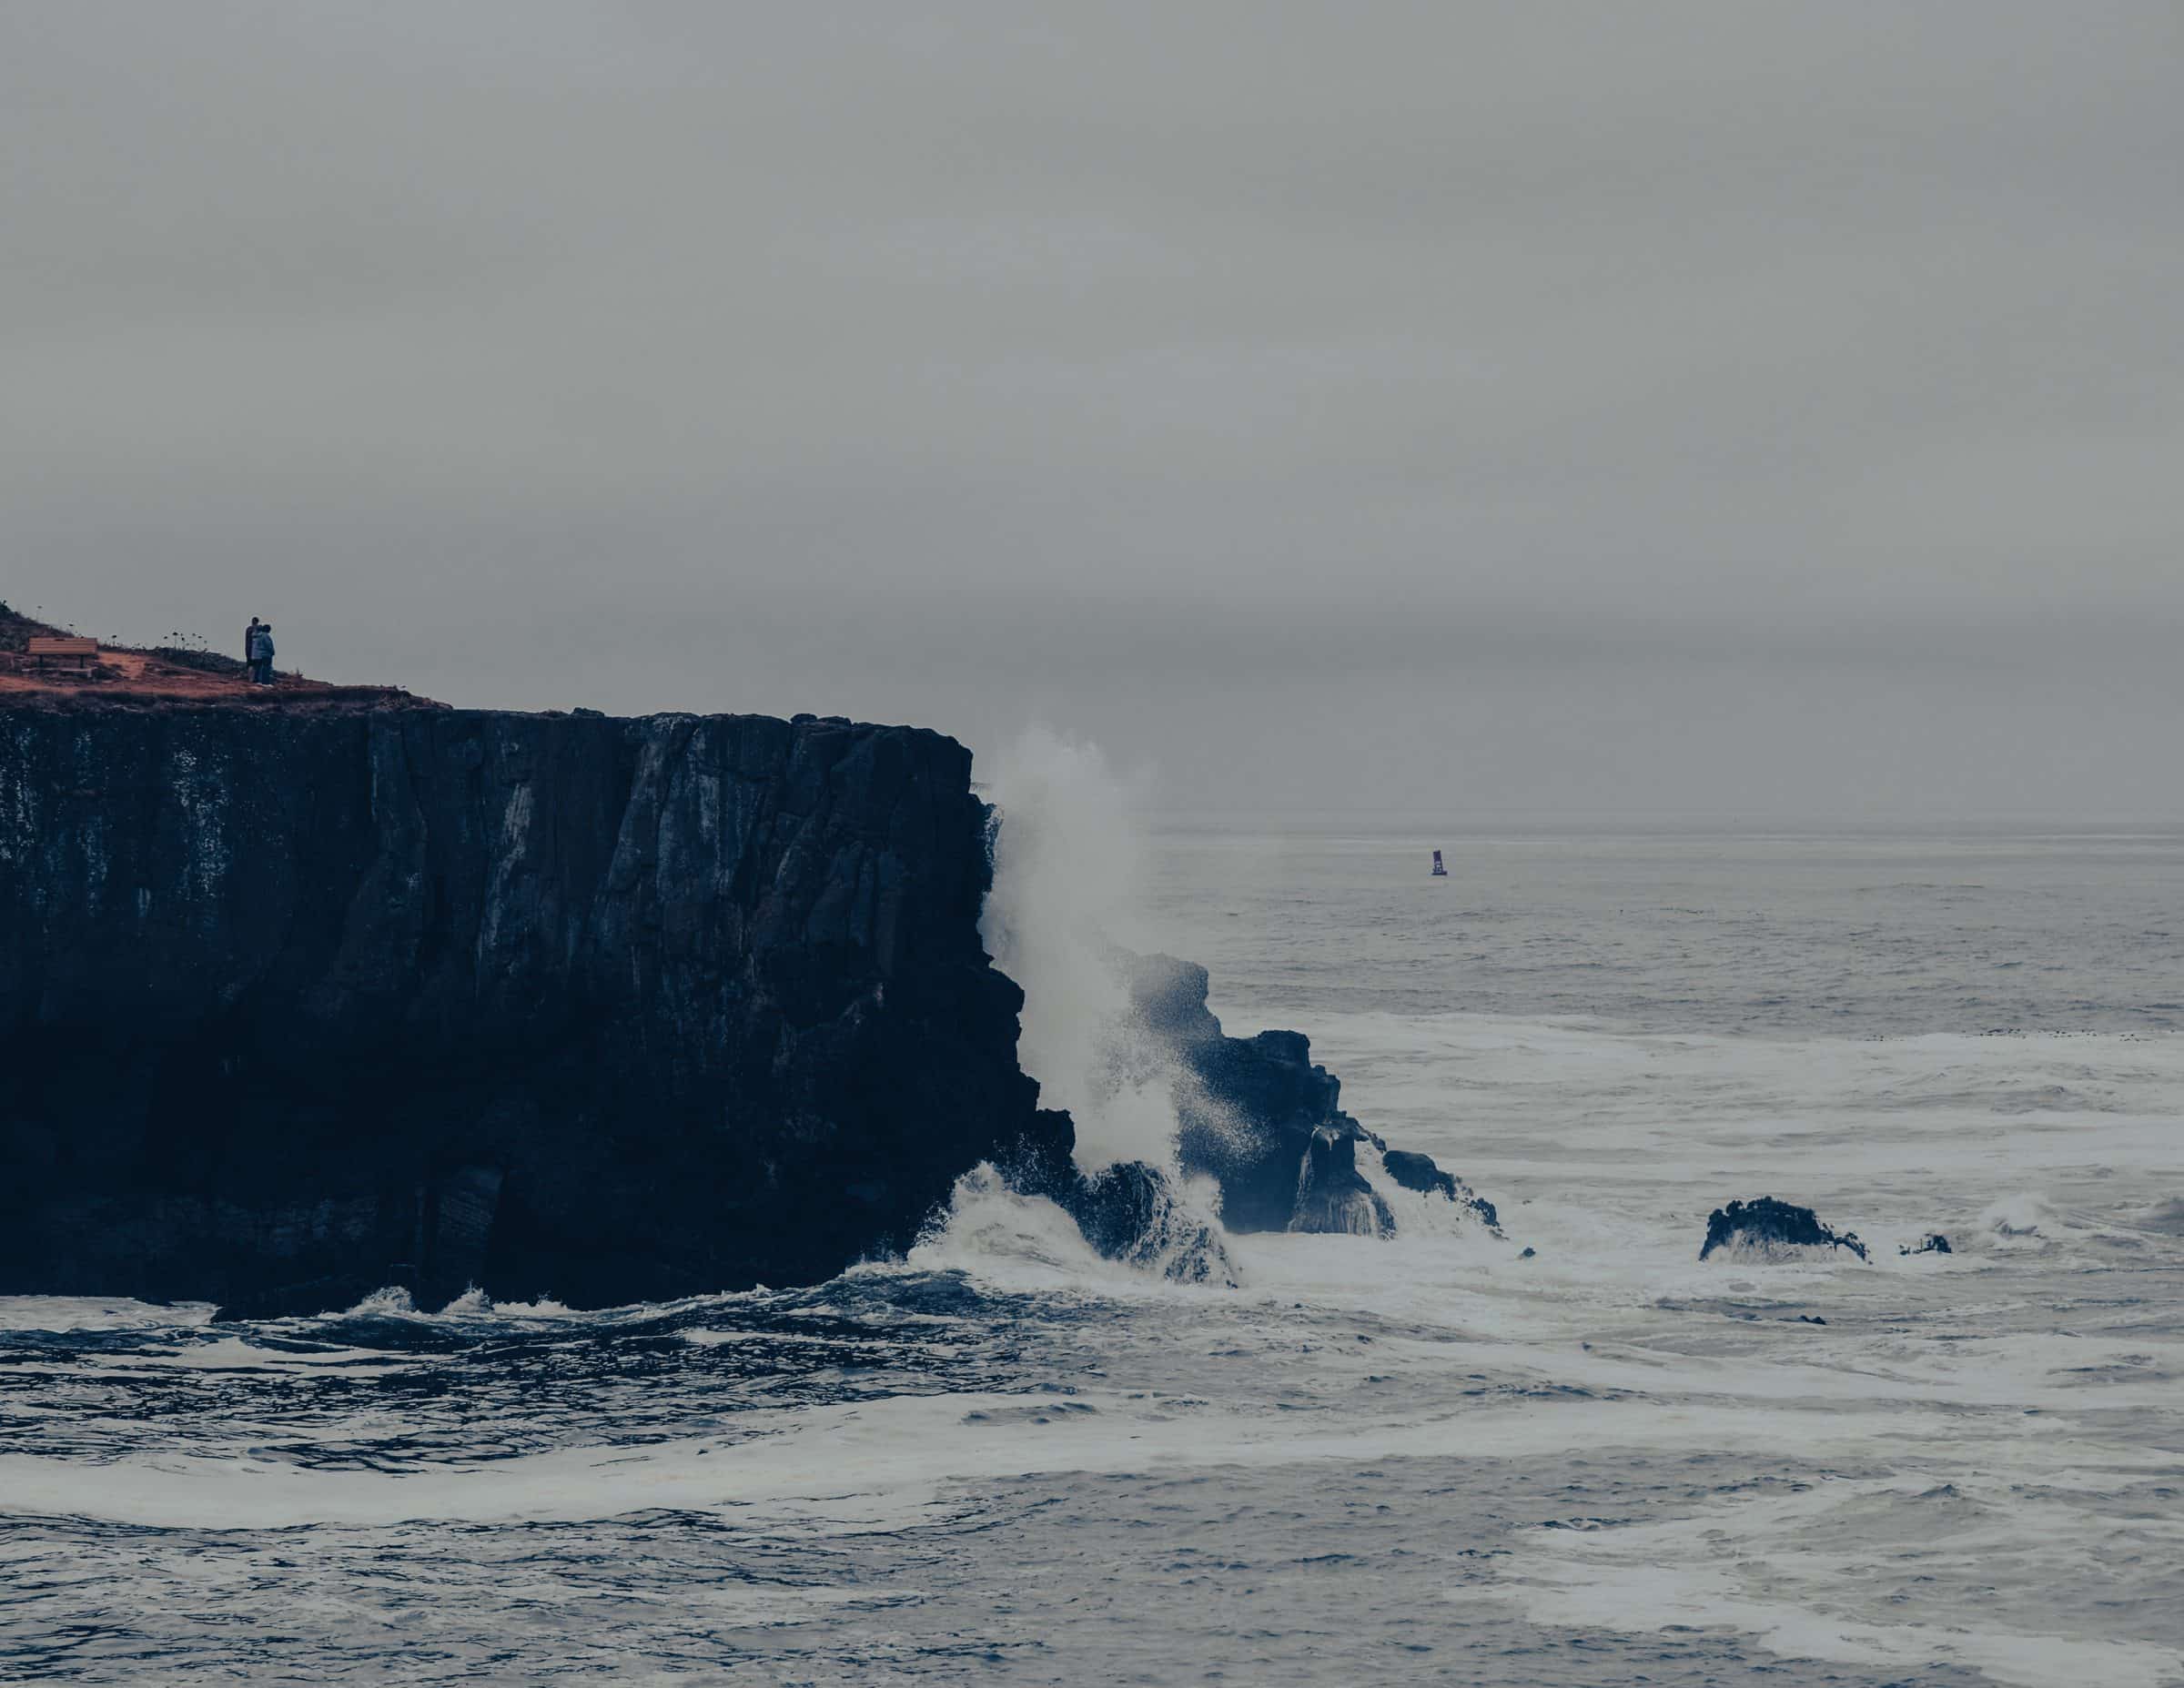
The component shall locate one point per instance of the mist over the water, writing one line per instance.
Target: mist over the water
(1693, 408)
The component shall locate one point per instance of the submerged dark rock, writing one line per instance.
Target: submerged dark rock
(1768, 1227)
(1332, 1196)
(1933, 1242)
(293, 1004)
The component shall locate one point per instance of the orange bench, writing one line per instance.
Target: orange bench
(82, 652)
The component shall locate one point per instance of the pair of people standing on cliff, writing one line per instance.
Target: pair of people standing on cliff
(257, 652)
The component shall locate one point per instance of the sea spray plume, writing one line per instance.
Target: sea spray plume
(1067, 861)
(1126, 1042)
(1068, 849)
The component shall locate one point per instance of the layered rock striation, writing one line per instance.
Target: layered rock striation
(296, 1005)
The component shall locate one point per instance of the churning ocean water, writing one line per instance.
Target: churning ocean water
(1429, 1459)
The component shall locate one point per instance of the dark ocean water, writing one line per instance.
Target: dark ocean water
(1429, 1461)
(1836, 934)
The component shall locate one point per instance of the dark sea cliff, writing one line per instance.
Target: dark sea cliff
(294, 1006)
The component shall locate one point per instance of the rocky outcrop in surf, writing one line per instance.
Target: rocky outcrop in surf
(1767, 1230)
(1418, 1172)
(1933, 1242)
(295, 1005)
(1259, 1117)
(1247, 1107)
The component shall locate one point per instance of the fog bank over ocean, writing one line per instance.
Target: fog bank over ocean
(1698, 409)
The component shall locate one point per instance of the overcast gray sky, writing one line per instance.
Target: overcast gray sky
(1735, 409)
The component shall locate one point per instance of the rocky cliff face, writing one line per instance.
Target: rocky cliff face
(293, 1006)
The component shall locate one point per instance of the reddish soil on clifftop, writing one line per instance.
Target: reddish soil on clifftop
(125, 677)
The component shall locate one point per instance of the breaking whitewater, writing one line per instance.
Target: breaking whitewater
(1571, 1453)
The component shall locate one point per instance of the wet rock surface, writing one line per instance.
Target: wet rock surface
(593, 1008)
(1766, 1227)
(1332, 1196)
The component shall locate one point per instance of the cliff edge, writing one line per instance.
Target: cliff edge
(162, 677)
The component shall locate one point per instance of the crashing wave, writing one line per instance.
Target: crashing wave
(1131, 1212)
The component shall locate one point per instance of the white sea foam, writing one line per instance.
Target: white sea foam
(62, 1313)
(1800, 1572)
(390, 1301)
(873, 1465)
(2023, 1219)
